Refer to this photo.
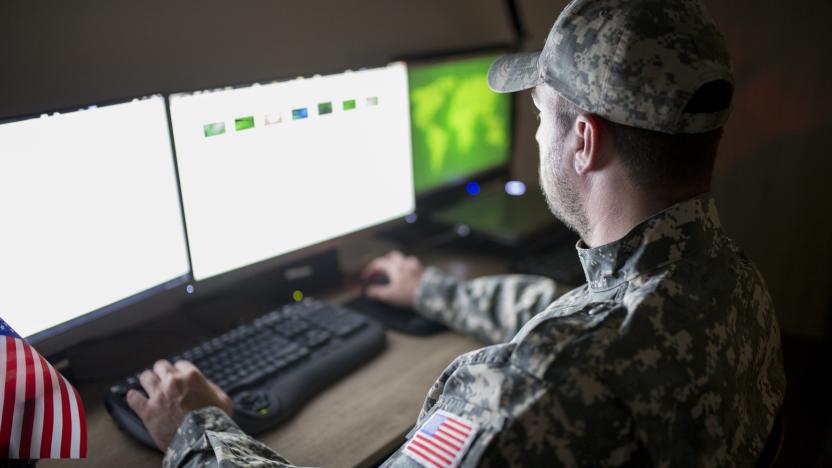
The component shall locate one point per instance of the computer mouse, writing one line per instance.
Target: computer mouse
(376, 279)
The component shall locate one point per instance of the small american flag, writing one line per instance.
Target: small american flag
(41, 414)
(441, 441)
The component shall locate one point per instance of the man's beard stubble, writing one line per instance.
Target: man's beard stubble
(562, 196)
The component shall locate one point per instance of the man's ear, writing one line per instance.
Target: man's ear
(588, 144)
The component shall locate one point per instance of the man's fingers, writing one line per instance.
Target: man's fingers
(137, 402)
(384, 264)
(378, 265)
(188, 368)
(150, 382)
(185, 366)
(163, 367)
(395, 255)
(189, 372)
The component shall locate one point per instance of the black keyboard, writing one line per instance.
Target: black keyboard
(272, 366)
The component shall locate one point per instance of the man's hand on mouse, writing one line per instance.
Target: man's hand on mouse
(403, 273)
(173, 391)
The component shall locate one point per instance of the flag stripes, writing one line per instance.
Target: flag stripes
(442, 441)
(41, 414)
(29, 391)
(9, 390)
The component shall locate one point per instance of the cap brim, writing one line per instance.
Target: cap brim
(515, 72)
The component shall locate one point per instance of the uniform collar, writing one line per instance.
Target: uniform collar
(666, 237)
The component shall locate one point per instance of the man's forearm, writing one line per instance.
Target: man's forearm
(208, 437)
(491, 308)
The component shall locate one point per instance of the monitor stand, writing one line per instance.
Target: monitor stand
(509, 221)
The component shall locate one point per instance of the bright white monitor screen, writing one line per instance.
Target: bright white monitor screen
(90, 212)
(272, 168)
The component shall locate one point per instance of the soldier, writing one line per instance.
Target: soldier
(670, 353)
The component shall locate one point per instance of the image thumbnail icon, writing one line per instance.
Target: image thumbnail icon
(244, 123)
(272, 119)
(324, 108)
(349, 104)
(213, 129)
(299, 114)
(372, 101)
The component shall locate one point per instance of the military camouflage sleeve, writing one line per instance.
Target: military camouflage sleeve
(209, 438)
(491, 308)
(528, 403)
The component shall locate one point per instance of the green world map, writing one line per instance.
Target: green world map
(459, 126)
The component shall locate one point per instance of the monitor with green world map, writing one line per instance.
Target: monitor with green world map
(460, 128)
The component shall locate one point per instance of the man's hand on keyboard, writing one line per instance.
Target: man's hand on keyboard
(173, 391)
(403, 274)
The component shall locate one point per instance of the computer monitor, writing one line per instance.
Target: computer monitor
(91, 220)
(461, 129)
(270, 169)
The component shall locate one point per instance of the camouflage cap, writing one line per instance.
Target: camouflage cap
(634, 62)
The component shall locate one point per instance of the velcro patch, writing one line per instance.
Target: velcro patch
(442, 440)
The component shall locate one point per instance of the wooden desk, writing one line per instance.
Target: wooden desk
(354, 423)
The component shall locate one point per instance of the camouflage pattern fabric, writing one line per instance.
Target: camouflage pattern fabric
(634, 62)
(209, 438)
(492, 309)
(668, 356)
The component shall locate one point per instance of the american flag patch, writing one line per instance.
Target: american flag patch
(442, 440)
(41, 414)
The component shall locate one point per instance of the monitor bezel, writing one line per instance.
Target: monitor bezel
(131, 311)
(228, 281)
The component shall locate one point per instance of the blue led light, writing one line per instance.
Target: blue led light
(515, 188)
(472, 188)
(411, 218)
(189, 289)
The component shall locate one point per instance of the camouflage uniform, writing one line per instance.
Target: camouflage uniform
(668, 356)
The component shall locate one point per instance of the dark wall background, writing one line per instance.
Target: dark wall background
(772, 173)
(55, 53)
